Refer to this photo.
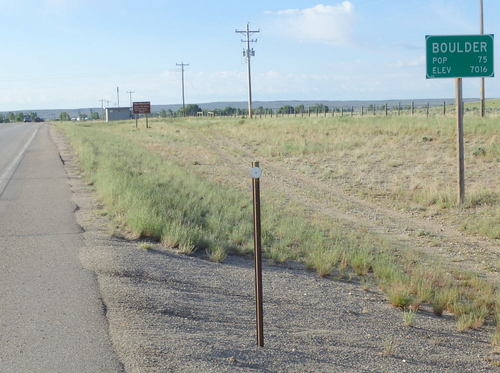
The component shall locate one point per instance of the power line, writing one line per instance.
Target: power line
(182, 64)
(248, 53)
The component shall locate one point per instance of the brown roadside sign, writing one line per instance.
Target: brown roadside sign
(143, 107)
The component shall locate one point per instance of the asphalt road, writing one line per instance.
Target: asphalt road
(51, 315)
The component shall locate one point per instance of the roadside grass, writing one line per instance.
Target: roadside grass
(153, 197)
(404, 162)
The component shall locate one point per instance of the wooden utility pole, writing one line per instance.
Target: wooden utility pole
(182, 65)
(483, 104)
(102, 108)
(248, 53)
(460, 141)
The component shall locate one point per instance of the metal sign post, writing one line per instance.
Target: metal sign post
(459, 102)
(259, 312)
(459, 56)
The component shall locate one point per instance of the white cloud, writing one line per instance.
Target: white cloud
(332, 24)
(416, 62)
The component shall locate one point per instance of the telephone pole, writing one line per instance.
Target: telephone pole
(182, 64)
(248, 53)
(130, 95)
(483, 106)
(118, 96)
(102, 107)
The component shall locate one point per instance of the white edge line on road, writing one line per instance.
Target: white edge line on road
(11, 168)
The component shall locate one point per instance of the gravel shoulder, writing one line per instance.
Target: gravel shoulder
(174, 313)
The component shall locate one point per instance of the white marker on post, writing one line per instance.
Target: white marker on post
(255, 172)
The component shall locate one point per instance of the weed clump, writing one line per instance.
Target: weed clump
(400, 297)
(409, 317)
(145, 246)
(217, 254)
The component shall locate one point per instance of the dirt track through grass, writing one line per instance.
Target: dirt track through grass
(403, 230)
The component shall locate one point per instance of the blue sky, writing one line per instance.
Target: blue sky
(72, 53)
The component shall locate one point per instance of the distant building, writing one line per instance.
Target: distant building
(118, 113)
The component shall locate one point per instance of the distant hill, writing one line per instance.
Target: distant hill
(54, 113)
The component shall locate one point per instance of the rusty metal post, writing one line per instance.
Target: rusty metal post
(147, 124)
(259, 313)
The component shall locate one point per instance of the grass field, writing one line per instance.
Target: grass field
(185, 183)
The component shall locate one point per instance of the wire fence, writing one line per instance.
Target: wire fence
(426, 110)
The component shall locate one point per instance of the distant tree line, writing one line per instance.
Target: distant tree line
(64, 116)
(195, 110)
(17, 117)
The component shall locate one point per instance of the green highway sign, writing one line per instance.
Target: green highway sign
(459, 56)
